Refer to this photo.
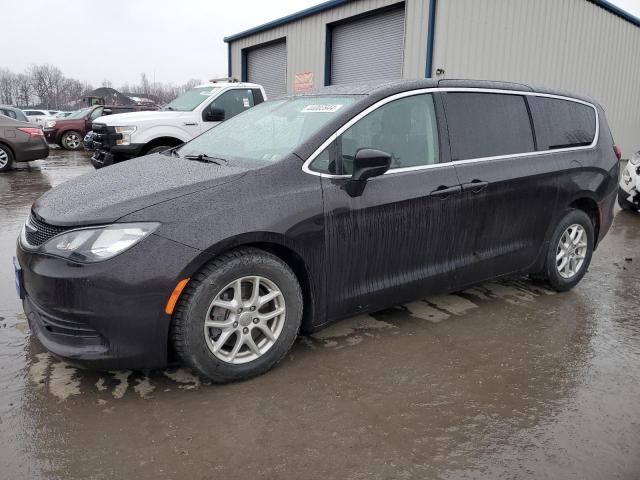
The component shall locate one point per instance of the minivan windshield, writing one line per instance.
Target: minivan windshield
(191, 99)
(269, 131)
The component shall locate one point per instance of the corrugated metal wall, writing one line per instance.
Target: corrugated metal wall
(306, 39)
(568, 44)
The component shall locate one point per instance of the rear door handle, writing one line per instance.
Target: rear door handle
(443, 191)
(476, 186)
(190, 124)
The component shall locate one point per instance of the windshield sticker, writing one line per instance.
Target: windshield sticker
(245, 103)
(321, 108)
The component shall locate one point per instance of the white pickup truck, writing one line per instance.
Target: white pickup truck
(128, 135)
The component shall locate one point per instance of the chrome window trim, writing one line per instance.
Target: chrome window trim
(409, 93)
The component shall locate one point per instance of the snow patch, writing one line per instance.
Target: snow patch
(61, 382)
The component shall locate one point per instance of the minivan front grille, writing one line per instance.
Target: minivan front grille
(37, 232)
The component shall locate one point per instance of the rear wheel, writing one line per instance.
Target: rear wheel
(569, 251)
(71, 140)
(238, 317)
(6, 159)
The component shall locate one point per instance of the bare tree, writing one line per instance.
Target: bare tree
(46, 86)
(39, 84)
(7, 90)
(25, 92)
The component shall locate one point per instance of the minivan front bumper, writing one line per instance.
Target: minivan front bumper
(105, 315)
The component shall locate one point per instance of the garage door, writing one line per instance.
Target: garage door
(267, 66)
(368, 49)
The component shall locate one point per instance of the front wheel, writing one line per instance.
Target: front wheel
(71, 140)
(569, 251)
(238, 317)
(6, 159)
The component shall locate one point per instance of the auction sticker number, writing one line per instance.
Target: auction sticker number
(321, 108)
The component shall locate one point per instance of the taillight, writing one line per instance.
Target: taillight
(32, 131)
(617, 151)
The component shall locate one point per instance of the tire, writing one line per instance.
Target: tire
(71, 140)
(158, 149)
(6, 159)
(562, 279)
(195, 343)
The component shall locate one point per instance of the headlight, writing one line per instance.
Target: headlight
(125, 135)
(635, 160)
(97, 244)
(50, 124)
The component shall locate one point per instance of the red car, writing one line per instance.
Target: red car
(69, 132)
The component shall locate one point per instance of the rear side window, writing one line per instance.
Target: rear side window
(562, 123)
(487, 125)
(8, 113)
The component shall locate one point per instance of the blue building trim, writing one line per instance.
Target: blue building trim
(289, 18)
(617, 11)
(243, 66)
(328, 49)
(431, 35)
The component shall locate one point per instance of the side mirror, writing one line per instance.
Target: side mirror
(367, 163)
(214, 114)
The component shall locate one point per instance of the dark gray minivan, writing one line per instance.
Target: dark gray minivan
(311, 208)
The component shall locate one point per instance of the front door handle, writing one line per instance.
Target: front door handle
(476, 186)
(443, 191)
(190, 124)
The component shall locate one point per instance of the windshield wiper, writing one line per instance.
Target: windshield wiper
(203, 157)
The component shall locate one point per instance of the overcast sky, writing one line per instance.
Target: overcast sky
(117, 40)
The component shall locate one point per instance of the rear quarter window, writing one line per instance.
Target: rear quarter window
(562, 123)
(487, 125)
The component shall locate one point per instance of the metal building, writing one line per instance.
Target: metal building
(589, 47)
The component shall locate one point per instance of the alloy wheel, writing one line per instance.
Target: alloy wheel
(4, 158)
(72, 141)
(244, 319)
(571, 251)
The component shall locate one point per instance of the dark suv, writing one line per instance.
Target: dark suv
(69, 132)
(311, 208)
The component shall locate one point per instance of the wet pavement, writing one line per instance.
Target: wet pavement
(505, 380)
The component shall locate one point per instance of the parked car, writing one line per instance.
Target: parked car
(629, 191)
(312, 208)
(62, 114)
(121, 137)
(69, 132)
(20, 142)
(13, 112)
(39, 116)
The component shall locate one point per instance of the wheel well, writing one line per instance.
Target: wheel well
(590, 207)
(297, 264)
(156, 142)
(13, 154)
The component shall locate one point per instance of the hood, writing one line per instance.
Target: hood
(110, 193)
(134, 118)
